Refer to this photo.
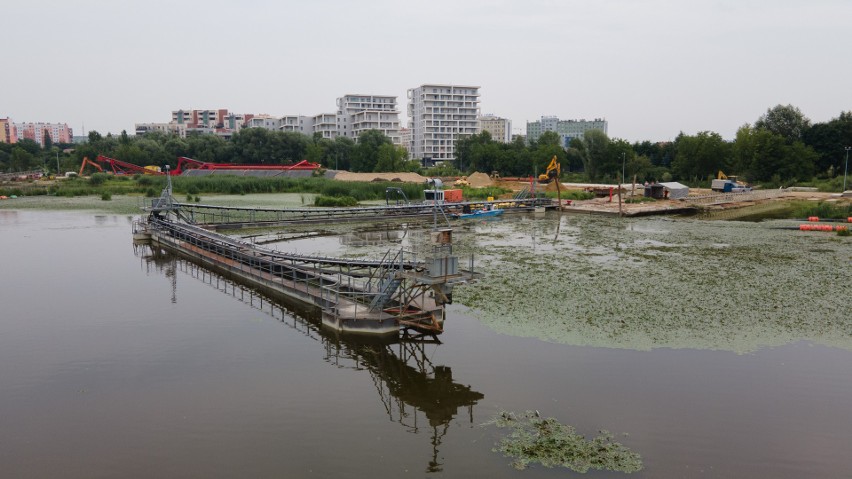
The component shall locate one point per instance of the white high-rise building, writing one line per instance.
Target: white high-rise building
(359, 113)
(440, 115)
(325, 124)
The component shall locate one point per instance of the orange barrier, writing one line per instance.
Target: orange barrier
(809, 227)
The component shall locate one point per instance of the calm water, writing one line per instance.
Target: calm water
(118, 363)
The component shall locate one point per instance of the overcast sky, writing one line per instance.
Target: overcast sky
(650, 68)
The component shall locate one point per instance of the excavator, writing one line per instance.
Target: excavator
(87, 161)
(552, 172)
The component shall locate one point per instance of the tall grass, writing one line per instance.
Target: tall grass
(483, 193)
(822, 210)
(144, 185)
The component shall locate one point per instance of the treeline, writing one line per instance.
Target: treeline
(373, 152)
(781, 147)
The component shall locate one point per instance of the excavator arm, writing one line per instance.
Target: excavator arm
(552, 171)
(87, 161)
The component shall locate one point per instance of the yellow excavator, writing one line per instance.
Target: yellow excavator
(552, 172)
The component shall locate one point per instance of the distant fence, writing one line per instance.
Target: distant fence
(720, 198)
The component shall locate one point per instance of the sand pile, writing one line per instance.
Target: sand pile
(479, 180)
(367, 177)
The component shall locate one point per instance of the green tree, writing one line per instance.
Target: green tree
(762, 155)
(619, 155)
(784, 120)
(338, 154)
(593, 150)
(366, 152)
(28, 145)
(315, 152)
(48, 141)
(5, 153)
(699, 156)
(21, 160)
(388, 158)
(829, 141)
(175, 147)
(549, 144)
(660, 153)
(469, 153)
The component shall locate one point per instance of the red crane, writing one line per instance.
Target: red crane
(124, 168)
(185, 163)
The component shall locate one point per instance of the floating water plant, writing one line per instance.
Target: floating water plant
(535, 439)
(662, 283)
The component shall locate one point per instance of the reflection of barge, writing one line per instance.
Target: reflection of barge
(409, 385)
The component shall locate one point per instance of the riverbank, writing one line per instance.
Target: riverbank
(132, 204)
(706, 201)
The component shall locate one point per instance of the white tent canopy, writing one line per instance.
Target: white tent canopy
(676, 190)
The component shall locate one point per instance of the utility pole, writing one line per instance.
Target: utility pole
(846, 169)
(57, 161)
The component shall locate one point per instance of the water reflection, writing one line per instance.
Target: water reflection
(414, 392)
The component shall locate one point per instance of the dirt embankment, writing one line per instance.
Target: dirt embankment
(367, 177)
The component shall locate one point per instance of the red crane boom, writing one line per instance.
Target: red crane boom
(185, 163)
(124, 168)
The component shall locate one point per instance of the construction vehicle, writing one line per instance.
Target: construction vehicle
(551, 173)
(119, 167)
(728, 184)
(87, 161)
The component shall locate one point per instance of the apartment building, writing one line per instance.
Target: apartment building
(201, 118)
(170, 128)
(59, 132)
(294, 123)
(8, 133)
(405, 139)
(499, 128)
(267, 122)
(438, 116)
(567, 129)
(325, 124)
(357, 113)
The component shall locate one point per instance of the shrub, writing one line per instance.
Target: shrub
(335, 201)
(98, 179)
(106, 196)
(145, 180)
(150, 192)
(482, 193)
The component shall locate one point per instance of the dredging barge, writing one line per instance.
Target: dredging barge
(399, 292)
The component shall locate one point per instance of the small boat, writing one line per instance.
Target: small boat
(480, 213)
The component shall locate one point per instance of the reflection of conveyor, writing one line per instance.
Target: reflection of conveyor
(407, 382)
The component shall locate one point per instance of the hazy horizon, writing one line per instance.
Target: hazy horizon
(652, 68)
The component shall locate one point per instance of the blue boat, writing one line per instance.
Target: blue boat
(480, 213)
